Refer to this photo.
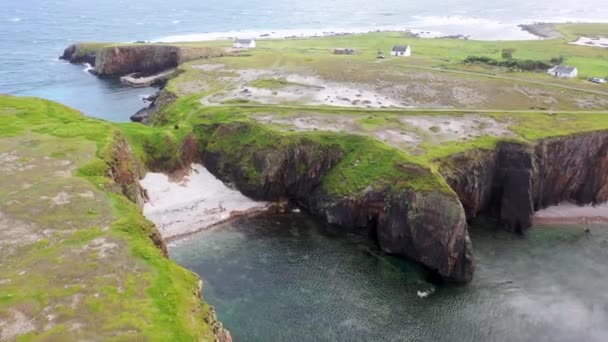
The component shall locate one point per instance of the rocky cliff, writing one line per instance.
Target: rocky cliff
(427, 226)
(113, 60)
(509, 183)
(146, 59)
(512, 181)
(81, 53)
(157, 102)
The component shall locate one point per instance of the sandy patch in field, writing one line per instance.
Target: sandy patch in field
(454, 128)
(407, 133)
(304, 89)
(570, 213)
(600, 42)
(15, 234)
(198, 201)
(306, 122)
(18, 324)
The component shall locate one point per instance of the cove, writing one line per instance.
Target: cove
(290, 277)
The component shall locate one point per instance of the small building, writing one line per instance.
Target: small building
(401, 50)
(563, 71)
(344, 51)
(243, 44)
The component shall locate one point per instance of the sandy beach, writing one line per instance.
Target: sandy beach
(571, 214)
(197, 201)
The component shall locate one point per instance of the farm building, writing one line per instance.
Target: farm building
(563, 71)
(401, 50)
(344, 51)
(243, 44)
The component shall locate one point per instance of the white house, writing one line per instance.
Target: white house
(563, 71)
(243, 44)
(401, 50)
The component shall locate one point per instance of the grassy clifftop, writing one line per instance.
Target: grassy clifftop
(78, 260)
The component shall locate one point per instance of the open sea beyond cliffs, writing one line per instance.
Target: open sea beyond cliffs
(33, 33)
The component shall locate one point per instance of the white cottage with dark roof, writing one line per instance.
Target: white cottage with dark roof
(563, 71)
(243, 44)
(401, 50)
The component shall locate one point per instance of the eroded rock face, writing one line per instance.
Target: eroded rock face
(158, 101)
(145, 59)
(427, 226)
(514, 180)
(77, 54)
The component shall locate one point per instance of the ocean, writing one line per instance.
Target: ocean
(33, 33)
(291, 277)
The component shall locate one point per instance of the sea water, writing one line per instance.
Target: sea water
(292, 278)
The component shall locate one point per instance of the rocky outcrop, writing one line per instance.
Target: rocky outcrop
(221, 334)
(146, 59)
(79, 53)
(427, 226)
(157, 102)
(115, 60)
(126, 170)
(516, 179)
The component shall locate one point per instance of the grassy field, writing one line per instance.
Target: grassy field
(76, 258)
(433, 77)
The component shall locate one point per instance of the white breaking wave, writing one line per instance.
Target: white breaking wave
(274, 34)
(87, 67)
(431, 20)
(15, 19)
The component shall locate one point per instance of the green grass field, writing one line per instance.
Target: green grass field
(76, 258)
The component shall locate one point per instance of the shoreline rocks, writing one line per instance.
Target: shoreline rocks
(541, 30)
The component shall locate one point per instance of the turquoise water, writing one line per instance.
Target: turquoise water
(33, 33)
(292, 278)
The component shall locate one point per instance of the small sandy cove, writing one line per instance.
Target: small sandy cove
(572, 214)
(193, 203)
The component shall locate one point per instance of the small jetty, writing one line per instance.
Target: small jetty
(136, 79)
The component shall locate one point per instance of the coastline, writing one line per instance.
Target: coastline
(542, 30)
(448, 27)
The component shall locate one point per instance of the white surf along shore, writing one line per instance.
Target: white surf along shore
(193, 203)
(571, 214)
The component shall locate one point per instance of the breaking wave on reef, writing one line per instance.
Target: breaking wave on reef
(87, 67)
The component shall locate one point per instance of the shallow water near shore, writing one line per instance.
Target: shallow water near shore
(290, 277)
